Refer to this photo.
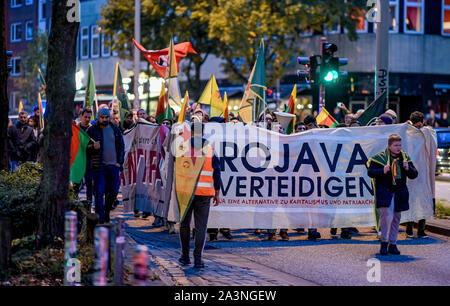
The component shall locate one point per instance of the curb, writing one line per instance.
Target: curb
(437, 229)
(153, 268)
(434, 228)
(442, 179)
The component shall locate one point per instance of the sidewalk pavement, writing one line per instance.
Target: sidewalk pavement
(222, 268)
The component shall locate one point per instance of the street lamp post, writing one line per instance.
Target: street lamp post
(137, 62)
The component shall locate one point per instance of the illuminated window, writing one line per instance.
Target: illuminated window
(414, 16)
(446, 17)
(362, 24)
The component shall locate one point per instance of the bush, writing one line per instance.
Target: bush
(18, 195)
(442, 209)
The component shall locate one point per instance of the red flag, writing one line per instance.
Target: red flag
(159, 58)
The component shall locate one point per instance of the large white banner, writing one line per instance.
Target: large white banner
(316, 178)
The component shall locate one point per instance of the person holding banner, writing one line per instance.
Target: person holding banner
(417, 120)
(310, 123)
(390, 170)
(207, 187)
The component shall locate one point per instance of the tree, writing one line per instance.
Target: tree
(4, 103)
(239, 25)
(186, 20)
(34, 57)
(60, 79)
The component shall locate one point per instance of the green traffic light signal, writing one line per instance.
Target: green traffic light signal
(331, 75)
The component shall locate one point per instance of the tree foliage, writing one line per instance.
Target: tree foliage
(185, 20)
(33, 58)
(239, 25)
(230, 29)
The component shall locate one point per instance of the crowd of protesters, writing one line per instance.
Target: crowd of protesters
(106, 157)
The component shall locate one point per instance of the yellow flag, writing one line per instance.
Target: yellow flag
(211, 97)
(20, 106)
(186, 177)
(183, 108)
(115, 80)
(172, 67)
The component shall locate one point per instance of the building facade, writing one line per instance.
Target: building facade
(419, 68)
(24, 18)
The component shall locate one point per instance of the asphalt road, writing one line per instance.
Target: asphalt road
(344, 262)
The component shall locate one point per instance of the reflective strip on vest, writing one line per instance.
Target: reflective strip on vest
(205, 184)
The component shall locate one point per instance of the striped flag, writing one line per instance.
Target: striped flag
(291, 109)
(78, 147)
(324, 118)
(163, 110)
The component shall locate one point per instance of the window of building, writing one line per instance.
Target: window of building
(43, 9)
(446, 17)
(28, 2)
(84, 44)
(414, 16)
(16, 32)
(15, 63)
(95, 41)
(29, 30)
(12, 101)
(335, 29)
(106, 49)
(362, 24)
(16, 3)
(393, 17)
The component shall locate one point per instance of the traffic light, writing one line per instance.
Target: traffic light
(312, 64)
(329, 68)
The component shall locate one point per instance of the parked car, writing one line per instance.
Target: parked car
(442, 157)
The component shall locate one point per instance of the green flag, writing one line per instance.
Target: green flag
(375, 109)
(121, 94)
(258, 82)
(89, 101)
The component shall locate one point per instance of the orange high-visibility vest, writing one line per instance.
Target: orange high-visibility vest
(205, 184)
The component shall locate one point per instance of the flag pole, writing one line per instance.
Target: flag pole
(115, 80)
(264, 108)
(254, 109)
(168, 89)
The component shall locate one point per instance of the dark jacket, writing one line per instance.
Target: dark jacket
(385, 188)
(96, 156)
(21, 142)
